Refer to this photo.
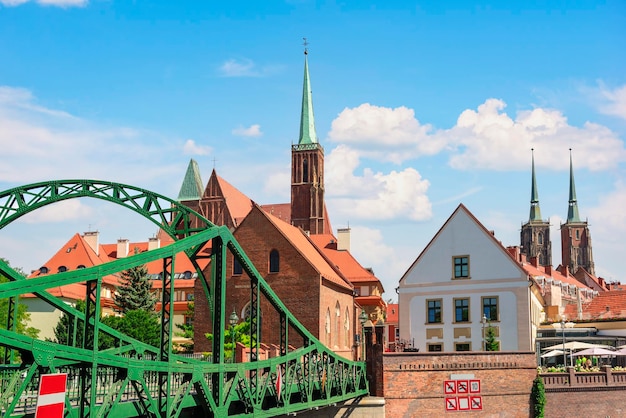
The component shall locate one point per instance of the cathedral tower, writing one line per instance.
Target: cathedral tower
(535, 234)
(576, 248)
(307, 168)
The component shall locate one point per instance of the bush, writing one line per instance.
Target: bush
(538, 398)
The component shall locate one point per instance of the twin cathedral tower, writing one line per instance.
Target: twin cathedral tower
(576, 251)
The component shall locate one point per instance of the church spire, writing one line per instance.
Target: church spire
(191, 189)
(535, 211)
(307, 121)
(572, 211)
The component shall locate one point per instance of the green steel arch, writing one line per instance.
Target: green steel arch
(136, 379)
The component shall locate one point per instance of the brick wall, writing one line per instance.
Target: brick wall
(603, 402)
(297, 284)
(414, 382)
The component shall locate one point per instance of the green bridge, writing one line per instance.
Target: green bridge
(134, 379)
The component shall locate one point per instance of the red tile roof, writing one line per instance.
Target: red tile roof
(393, 313)
(607, 305)
(239, 205)
(343, 260)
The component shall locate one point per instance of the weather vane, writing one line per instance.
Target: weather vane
(306, 44)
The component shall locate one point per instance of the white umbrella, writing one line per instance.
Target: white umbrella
(596, 351)
(552, 353)
(575, 345)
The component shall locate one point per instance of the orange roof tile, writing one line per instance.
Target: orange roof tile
(555, 274)
(239, 205)
(344, 260)
(607, 305)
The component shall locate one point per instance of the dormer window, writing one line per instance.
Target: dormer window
(80, 267)
(43, 270)
(62, 269)
(187, 275)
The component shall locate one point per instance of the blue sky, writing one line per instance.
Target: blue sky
(420, 106)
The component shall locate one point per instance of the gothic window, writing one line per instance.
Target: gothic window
(237, 269)
(346, 327)
(337, 323)
(305, 171)
(274, 261)
(327, 326)
(577, 234)
(540, 238)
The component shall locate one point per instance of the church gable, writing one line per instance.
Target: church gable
(462, 250)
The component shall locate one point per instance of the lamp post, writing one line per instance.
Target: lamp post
(362, 320)
(484, 321)
(563, 334)
(232, 320)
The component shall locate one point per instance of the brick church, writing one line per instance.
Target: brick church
(294, 248)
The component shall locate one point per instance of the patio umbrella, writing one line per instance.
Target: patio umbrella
(596, 351)
(575, 345)
(552, 353)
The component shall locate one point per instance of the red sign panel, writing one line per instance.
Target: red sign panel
(476, 403)
(474, 386)
(449, 387)
(51, 399)
(463, 402)
(462, 386)
(451, 404)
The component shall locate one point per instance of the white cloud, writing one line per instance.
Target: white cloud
(384, 133)
(374, 195)
(66, 210)
(242, 68)
(490, 139)
(614, 101)
(42, 144)
(57, 3)
(191, 148)
(485, 138)
(251, 131)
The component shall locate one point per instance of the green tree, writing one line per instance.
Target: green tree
(241, 332)
(21, 321)
(538, 398)
(135, 291)
(491, 344)
(138, 324)
(64, 330)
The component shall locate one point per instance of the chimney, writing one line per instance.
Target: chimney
(122, 248)
(91, 238)
(548, 270)
(343, 239)
(534, 261)
(153, 243)
(514, 250)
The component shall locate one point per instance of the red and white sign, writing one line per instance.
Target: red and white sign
(279, 382)
(449, 387)
(464, 403)
(476, 403)
(462, 386)
(474, 386)
(51, 399)
(451, 404)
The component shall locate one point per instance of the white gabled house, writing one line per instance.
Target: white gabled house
(462, 277)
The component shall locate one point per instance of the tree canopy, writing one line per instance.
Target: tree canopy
(135, 291)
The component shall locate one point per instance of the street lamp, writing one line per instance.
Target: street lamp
(563, 334)
(484, 321)
(362, 320)
(232, 320)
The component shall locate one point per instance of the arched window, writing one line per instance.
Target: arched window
(337, 324)
(62, 269)
(274, 261)
(577, 234)
(540, 238)
(327, 326)
(346, 328)
(305, 171)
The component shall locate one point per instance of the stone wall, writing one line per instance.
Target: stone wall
(473, 384)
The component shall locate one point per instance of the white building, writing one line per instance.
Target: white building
(462, 276)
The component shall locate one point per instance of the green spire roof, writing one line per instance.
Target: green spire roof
(192, 184)
(307, 121)
(535, 211)
(572, 211)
